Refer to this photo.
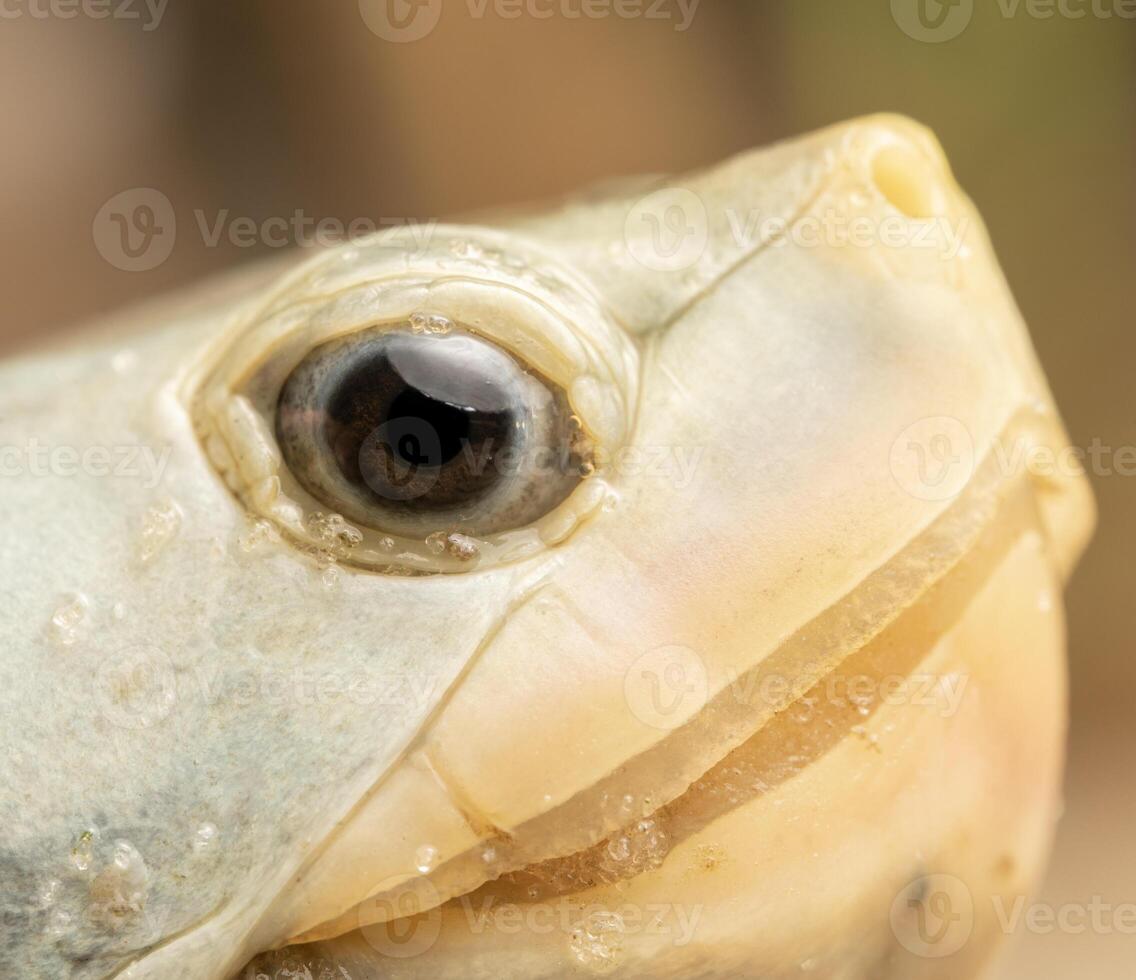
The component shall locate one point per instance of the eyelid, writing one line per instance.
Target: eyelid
(498, 287)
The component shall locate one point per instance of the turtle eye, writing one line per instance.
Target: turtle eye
(409, 431)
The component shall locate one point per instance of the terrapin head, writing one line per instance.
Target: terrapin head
(646, 587)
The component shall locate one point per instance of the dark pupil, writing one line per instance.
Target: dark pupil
(419, 421)
(451, 423)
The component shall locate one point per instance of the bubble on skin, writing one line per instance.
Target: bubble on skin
(118, 892)
(642, 847)
(596, 944)
(160, 524)
(48, 893)
(69, 619)
(431, 323)
(205, 838)
(459, 546)
(59, 923)
(288, 964)
(329, 575)
(83, 850)
(124, 361)
(259, 533)
(462, 547)
(334, 532)
(464, 249)
(425, 858)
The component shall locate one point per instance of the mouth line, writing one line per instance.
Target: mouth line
(782, 746)
(802, 731)
(882, 627)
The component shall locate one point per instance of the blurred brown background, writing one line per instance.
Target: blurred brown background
(264, 107)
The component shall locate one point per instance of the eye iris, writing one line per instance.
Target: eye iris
(420, 419)
(410, 433)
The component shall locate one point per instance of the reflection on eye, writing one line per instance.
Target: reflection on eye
(409, 433)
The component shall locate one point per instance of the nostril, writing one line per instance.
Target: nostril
(909, 181)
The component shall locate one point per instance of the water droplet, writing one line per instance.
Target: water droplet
(48, 893)
(489, 854)
(598, 941)
(333, 531)
(118, 892)
(462, 547)
(119, 611)
(59, 923)
(465, 249)
(205, 838)
(425, 858)
(124, 361)
(641, 847)
(430, 323)
(83, 850)
(68, 621)
(259, 533)
(159, 526)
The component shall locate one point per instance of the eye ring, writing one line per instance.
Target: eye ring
(509, 294)
(418, 431)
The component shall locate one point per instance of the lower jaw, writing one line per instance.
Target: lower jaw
(885, 824)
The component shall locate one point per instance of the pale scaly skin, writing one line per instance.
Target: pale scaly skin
(278, 745)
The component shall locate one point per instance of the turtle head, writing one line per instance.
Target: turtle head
(422, 573)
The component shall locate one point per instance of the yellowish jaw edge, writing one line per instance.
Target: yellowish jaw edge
(881, 824)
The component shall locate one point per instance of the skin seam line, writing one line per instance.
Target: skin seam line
(527, 593)
(807, 202)
(417, 740)
(479, 822)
